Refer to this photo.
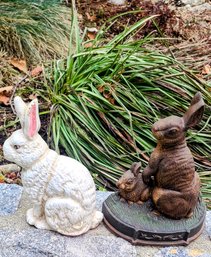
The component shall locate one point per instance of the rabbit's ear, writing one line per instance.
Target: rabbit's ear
(135, 168)
(195, 112)
(31, 120)
(20, 108)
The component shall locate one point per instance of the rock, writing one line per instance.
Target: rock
(201, 8)
(41, 243)
(192, 2)
(101, 197)
(17, 238)
(117, 2)
(7, 168)
(208, 223)
(20, 239)
(181, 252)
(183, 3)
(10, 196)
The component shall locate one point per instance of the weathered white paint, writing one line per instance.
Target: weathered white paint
(61, 188)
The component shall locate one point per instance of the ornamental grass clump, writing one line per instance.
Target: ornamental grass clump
(7, 72)
(105, 99)
(34, 30)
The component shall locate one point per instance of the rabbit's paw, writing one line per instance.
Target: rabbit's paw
(98, 216)
(156, 213)
(146, 178)
(37, 222)
(42, 224)
(190, 214)
(130, 202)
(122, 200)
(30, 217)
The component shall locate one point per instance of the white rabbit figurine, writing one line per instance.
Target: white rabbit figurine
(61, 188)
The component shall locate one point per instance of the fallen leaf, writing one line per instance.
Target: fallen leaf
(91, 17)
(87, 45)
(19, 64)
(4, 99)
(5, 94)
(6, 89)
(32, 96)
(2, 178)
(112, 100)
(107, 93)
(36, 71)
(206, 69)
(101, 88)
(91, 35)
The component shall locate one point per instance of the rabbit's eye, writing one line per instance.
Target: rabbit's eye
(16, 147)
(129, 181)
(172, 132)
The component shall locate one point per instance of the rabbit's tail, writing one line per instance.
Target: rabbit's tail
(97, 218)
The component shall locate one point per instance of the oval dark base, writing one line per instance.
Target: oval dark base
(140, 225)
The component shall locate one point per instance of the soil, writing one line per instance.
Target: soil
(186, 23)
(176, 18)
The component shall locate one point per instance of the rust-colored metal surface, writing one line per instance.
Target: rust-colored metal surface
(131, 186)
(141, 226)
(171, 165)
(162, 205)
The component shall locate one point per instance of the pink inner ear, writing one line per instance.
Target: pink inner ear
(33, 121)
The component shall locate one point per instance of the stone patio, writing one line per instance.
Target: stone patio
(17, 238)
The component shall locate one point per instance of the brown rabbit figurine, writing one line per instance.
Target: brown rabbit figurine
(171, 163)
(131, 185)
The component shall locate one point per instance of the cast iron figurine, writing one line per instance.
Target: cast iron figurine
(61, 189)
(170, 181)
(131, 185)
(171, 164)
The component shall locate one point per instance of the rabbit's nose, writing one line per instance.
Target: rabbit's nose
(122, 186)
(154, 129)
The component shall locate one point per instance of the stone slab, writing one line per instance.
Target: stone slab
(101, 197)
(10, 196)
(181, 252)
(17, 238)
(208, 223)
(39, 243)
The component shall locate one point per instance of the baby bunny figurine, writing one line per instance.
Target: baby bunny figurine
(61, 188)
(177, 184)
(131, 185)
